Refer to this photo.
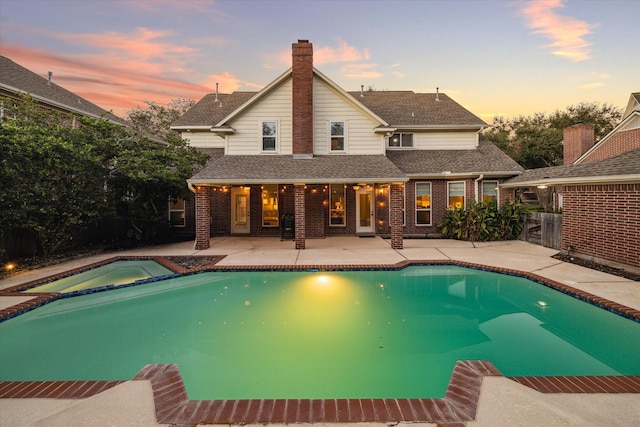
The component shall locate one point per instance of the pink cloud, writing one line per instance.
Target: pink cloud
(325, 55)
(567, 34)
(106, 81)
(360, 71)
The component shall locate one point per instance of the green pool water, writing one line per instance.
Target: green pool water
(364, 334)
(115, 273)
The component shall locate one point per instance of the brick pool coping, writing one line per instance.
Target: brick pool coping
(173, 406)
(458, 406)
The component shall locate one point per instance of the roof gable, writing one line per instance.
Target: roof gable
(394, 109)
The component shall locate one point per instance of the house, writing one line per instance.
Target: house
(598, 190)
(340, 163)
(16, 80)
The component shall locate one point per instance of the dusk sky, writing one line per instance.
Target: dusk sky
(504, 58)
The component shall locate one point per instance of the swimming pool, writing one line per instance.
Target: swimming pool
(320, 334)
(114, 273)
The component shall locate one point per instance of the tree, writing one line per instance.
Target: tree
(536, 141)
(152, 166)
(62, 174)
(52, 174)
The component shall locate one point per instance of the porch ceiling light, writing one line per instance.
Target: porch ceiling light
(542, 187)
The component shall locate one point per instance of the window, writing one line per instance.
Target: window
(337, 136)
(489, 191)
(337, 205)
(176, 212)
(456, 195)
(401, 140)
(270, 205)
(423, 203)
(269, 134)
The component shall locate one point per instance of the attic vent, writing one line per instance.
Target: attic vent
(437, 94)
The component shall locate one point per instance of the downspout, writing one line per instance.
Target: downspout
(476, 187)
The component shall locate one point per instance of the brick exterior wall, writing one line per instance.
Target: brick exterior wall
(300, 219)
(603, 222)
(317, 214)
(395, 197)
(577, 140)
(302, 97)
(203, 224)
(620, 142)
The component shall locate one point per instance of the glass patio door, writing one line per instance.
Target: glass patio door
(364, 210)
(240, 210)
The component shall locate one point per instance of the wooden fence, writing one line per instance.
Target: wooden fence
(543, 229)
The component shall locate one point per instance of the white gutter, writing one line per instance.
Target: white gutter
(347, 180)
(476, 186)
(448, 174)
(604, 179)
(188, 128)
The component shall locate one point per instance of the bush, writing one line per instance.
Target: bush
(483, 222)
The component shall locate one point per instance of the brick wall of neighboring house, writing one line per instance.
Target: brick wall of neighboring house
(603, 222)
(618, 143)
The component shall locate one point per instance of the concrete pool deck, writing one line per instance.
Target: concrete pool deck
(501, 401)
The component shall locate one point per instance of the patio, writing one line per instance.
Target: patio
(501, 402)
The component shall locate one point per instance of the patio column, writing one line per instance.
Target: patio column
(203, 221)
(299, 209)
(395, 221)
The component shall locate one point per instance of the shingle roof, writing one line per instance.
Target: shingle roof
(15, 79)
(398, 108)
(487, 159)
(209, 111)
(623, 167)
(287, 169)
(407, 108)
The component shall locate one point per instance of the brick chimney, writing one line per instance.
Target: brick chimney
(577, 140)
(302, 63)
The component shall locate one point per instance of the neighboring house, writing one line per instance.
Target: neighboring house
(598, 190)
(356, 163)
(15, 81)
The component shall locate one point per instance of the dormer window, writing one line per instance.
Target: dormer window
(269, 136)
(337, 136)
(401, 140)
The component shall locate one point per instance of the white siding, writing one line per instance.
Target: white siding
(633, 124)
(445, 140)
(203, 139)
(274, 106)
(330, 106)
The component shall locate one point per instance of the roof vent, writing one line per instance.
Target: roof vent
(437, 94)
(361, 91)
(49, 79)
(216, 100)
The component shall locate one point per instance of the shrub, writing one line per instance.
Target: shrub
(482, 222)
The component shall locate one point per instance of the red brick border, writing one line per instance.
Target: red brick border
(458, 406)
